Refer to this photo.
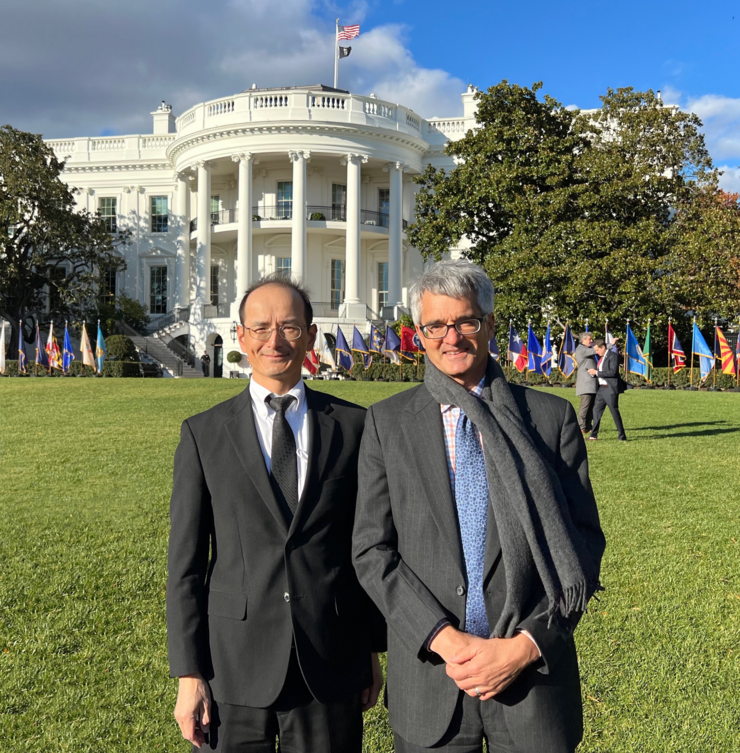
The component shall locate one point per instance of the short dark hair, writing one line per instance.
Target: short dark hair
(278, 278)
(599, 343)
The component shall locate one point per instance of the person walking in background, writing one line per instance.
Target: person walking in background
(205, 360)
(586, 383)
(611, 385)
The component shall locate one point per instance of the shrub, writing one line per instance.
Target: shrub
(317, 217)
(234, 356)
(121, 348)
(121, 369)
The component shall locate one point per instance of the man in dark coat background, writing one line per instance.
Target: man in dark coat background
(611, 385)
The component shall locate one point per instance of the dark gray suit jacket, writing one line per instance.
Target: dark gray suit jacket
(408, 556)
(243, 585)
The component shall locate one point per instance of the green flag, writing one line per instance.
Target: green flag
(648, 353)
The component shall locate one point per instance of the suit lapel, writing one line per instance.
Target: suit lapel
(243, 435)
(424, 431)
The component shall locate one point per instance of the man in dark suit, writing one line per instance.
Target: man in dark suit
(465, 516)
(269, 632)
(611, 385)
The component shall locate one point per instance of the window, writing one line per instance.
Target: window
(109, 281)
(214, 285)
(108, 211)
(382, 285)
(159, 214)
(158, 290)
(215, 206)
(283, 266)
(285, 200)
(384, 204)
(338, 202)
(337, 283)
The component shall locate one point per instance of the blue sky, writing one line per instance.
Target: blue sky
(86, 68)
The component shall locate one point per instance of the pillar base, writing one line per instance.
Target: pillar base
(353, 311)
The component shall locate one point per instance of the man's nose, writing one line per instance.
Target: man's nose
(274, 339)
(452, 337)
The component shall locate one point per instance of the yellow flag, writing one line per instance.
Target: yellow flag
(87, 354)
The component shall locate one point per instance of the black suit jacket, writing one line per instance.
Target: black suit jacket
(242, 584)
(408, 555)
(610, 372)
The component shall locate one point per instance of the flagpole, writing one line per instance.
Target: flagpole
(526, 373)
(691, 370)
(737, 360)
(626, 354)
(670, 348)
(508, 354)
(336, 54)
(714, 360)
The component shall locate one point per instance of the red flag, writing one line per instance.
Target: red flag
(675, 351)
(311, 362)
(408, 344)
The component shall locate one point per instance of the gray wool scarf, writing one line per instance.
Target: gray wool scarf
(530, 509)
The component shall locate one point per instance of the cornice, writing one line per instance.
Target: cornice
(116, 168)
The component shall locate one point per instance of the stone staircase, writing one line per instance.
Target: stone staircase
(154, 347)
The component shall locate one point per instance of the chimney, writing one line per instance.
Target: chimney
(658, 96)
(470, 105)
(164, 120)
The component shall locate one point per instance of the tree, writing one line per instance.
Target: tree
(110, 310)
(570, 213)
(48, 250)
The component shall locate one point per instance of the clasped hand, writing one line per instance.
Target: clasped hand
(488, 664)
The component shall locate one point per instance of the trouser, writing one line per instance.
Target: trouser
(607, 396)
(472, 722)
(297, 720)
(586, 411)
(206, 370)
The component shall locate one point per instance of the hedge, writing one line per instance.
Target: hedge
(120, 348)
(110, 369)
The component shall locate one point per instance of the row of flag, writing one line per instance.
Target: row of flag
(49, 356)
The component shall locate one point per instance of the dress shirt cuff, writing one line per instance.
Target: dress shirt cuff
(529, 635)
(444, 622)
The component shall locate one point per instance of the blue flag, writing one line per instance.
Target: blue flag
(41, 358)
(22, 357)
(100, 351)
(342, 352)
(636, 363)
(358, 345)
(534, 352)
(706, 357)
(67, 356)
(567, 359)
(392, 347)
(376, 341)
(547, 354)
(493, 348)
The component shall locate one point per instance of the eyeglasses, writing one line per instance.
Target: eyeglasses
(288, 332)
(469, 326)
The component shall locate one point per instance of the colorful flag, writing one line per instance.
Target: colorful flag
(547, 353)
(534, 352)
(409, 347)
(348, 32)
(700, 347)
(324, 349)
(493, 348)
(737, 352)
(567, 359)
(87, 354)
(100, 351)
(647, 351)
(636, 363)
(609, 338)
(343, 354)
(723, 351)
(359, 346)
(22, 357)
(68, 355)
(375, 345)
(309, 364)
(2, 348)
(517, 349)
(41, 358)
(52, 350)
(675, 351)
(392, 346)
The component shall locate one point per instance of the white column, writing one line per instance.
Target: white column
(395, 229)
(353, 307)
(203, 261)
(298, 237)
(182, 271)
(244, 232)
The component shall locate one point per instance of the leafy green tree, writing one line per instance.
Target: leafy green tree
(119, 308)
(49, 251)
(570, 213)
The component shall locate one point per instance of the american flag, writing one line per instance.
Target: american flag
(348, 32)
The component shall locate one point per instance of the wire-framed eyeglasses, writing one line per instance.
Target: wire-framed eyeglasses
(438, 331)
(288, 332)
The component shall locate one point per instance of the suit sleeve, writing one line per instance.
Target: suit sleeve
(187, 563)
(610, 367)
(407, 604)
(573, 474)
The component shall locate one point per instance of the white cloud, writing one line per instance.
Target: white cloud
(730, 180)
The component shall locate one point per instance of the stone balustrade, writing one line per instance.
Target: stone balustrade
(112, 149)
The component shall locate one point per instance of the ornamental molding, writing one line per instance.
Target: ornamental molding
(121, 167)
(361, 158)
(295, 154)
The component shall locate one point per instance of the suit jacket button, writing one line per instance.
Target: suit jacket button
(291, 546)
(286, 596)
(460, 590)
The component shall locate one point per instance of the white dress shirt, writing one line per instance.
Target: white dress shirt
(297, 417)
(602, 381)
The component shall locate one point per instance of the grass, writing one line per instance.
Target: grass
(85, 476)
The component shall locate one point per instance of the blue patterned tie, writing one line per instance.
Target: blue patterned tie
(471, 498)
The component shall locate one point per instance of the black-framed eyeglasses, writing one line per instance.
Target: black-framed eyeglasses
(469, 326)
(287, 332)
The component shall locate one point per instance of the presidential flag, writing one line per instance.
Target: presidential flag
(517, 349)
(723, 351)
(700, 347)
(567, 360)
(100, 351)
(359, 346)
(534, 351)
(375, 343)
(675, 351)
(493, 348)
(547, 353)
(22, 357)
(392, 346)
(636, 363)
(41, 358)
(87, 354)
(342, 352)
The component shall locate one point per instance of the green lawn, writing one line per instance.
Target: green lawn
(85, 469)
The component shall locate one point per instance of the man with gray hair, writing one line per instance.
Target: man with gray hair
(477, 536)
(587, 385)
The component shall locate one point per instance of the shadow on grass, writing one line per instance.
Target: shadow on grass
(665, 427)
(677, 434)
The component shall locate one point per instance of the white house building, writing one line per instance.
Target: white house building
(311, 181)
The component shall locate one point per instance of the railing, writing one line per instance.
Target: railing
(223, 217)
(178, 315)
(113, 148)
(270, 100)
(378, 109)
(220, 108)
(107, 145)
(182, 354)
(331, 103)
(447, 127)
(218, 311)
(334, 213)
(413, 121)
(325, 309)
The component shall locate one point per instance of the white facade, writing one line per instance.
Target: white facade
(212, 200)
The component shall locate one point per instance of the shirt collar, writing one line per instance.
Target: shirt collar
(477, 391)
(258, 394)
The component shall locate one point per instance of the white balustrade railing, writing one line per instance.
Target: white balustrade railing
(378, 109)
(187, 119)
(270, 100)
(156, 142)
(107, 145)
(413, 121)
(62, 147)
(448, 127)
(331, 103)
(220, 108)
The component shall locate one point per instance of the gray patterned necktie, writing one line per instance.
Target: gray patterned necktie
(283, 458)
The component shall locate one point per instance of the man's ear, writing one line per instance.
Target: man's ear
(312, 331)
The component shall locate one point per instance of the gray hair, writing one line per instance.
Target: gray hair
(458, 278)
(584, 335)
